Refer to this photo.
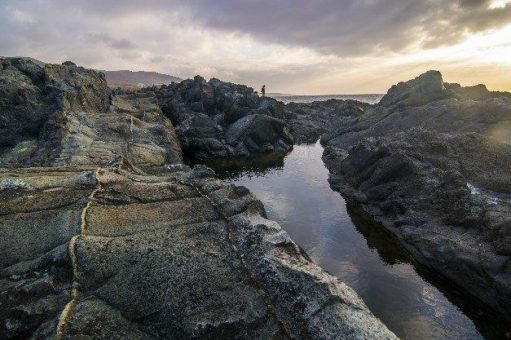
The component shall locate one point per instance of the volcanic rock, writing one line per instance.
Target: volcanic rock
(207, 114)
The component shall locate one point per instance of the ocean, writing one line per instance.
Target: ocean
(367, 98)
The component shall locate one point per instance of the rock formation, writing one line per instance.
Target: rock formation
(107, 235)
(309, 121)
(218, 120)
(63, 115)
(443, 107)
(432, 163)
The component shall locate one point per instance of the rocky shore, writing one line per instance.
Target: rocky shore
(432, 163)
(107, 234)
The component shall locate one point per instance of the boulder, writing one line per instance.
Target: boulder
(66, 115)
(458, 109)
(308, 121)
(257, 131)
(425, 88)
(25, 103)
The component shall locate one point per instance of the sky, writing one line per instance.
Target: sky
(292, 46)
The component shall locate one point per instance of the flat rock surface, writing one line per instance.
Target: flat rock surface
(112, 254)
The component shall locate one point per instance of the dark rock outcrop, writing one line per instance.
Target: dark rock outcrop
(425, 88)
(31, 95)
(65, 115)
(116, 238)
(218, 120)
(447, 197)
(431, 162)
(448, 108)
(308, 121)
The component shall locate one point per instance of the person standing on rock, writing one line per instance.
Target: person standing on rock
(263, 90)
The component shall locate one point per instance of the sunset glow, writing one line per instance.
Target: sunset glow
(291, 50)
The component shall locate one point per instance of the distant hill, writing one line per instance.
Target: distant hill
(127, 79)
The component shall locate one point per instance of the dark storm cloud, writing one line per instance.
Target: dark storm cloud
(353, 26)
(343, 28)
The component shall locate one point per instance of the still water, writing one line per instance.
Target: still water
(410, 301)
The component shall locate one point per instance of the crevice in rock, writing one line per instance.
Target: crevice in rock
(230, 238)
(63, 319)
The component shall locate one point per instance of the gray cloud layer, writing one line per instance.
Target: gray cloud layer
(214, 38)
(354, 26)
(343, 28)
(349, 27)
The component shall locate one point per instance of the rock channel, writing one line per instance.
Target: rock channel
(106, 234)
(432, 163)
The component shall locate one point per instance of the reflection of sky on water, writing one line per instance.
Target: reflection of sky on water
(298, 196)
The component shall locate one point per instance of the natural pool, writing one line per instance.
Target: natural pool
(410, 300)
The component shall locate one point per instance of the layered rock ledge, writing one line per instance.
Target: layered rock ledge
(107, 235)
(112, 254)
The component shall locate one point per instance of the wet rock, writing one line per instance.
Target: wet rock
(446, 197)
(260, 134)
(431, 162)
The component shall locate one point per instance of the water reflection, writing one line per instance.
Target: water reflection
(296, 193)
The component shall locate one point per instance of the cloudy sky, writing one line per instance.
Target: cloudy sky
(294, 46)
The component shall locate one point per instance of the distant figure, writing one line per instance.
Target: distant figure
(263, 90)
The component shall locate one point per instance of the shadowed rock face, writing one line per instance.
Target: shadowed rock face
(308, 121)
(218, 120)
(115, 238)
(31, 97)
(66, 115)
(425, 88)
(449, 109)
(175, 255)
(431, 162)
(452, 212)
